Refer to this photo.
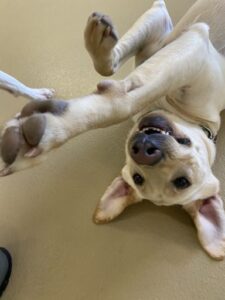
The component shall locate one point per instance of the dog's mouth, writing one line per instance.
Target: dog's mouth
(155, 124)
(160, 125)
(149, 130)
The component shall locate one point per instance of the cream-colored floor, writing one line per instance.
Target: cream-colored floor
(45, 213)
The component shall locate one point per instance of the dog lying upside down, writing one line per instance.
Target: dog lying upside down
(175, 94)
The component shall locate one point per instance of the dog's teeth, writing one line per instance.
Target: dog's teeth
(146, 129)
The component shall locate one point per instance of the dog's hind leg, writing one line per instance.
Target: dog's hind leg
(143, 39)
(17, 88)
(211, 12)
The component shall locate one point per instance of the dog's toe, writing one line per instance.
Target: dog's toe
(100, 33)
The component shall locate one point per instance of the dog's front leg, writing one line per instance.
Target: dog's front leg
(17, 88)
(46, 125)
(175, 66)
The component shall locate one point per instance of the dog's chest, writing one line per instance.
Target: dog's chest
(203, 112)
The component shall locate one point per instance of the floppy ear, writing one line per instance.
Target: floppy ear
(209, 218)
(116, 198)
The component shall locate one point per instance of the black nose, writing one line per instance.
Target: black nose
(144, 151)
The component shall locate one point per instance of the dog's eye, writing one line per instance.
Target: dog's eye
(138, 179)
(181, 183)
(184, 141)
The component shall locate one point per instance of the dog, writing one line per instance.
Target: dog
(175, 95)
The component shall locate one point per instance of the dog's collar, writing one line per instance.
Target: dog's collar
(209, 133)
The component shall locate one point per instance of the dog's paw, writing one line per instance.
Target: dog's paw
(26, 139)
(100, 34)
(100, 38)
(40, 94)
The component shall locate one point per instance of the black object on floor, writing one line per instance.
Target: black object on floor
(5, 269)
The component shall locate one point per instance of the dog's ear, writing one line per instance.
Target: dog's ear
(209, 218)
(116, 198)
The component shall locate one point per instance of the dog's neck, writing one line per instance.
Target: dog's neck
(171, 105)
(212, 125)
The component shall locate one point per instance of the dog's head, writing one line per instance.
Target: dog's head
(168, 161)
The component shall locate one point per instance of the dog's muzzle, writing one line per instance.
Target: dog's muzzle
(154, 139)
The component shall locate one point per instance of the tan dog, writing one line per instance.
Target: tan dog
(176, 93)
